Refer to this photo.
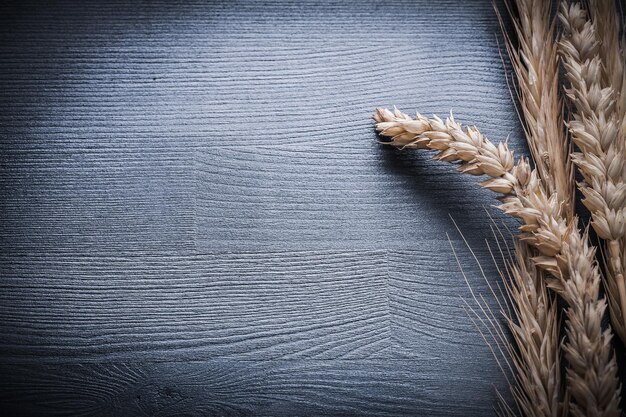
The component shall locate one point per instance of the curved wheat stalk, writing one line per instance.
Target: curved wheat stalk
(564, 252)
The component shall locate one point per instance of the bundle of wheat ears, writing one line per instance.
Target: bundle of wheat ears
(571, 64)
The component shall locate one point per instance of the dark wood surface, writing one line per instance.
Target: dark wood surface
(197, 220)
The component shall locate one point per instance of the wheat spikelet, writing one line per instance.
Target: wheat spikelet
(597, 131)
(536, 65)
(564, 252)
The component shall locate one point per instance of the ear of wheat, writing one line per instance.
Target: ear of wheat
(536, 65)
(543, 199)
(564, 252)
(597, 130)
(535, 329)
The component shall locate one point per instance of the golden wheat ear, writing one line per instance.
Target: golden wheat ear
(591, 54)
(563, 251)
(535, 62)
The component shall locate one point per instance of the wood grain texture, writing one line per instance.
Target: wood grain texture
(245, 388)
(320, 305)
(428, 297)
(196, 218)
(317, 305)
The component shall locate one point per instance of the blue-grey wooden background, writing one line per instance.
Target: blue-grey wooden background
(196, 218)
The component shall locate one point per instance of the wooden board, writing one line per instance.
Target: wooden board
(197, 219)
